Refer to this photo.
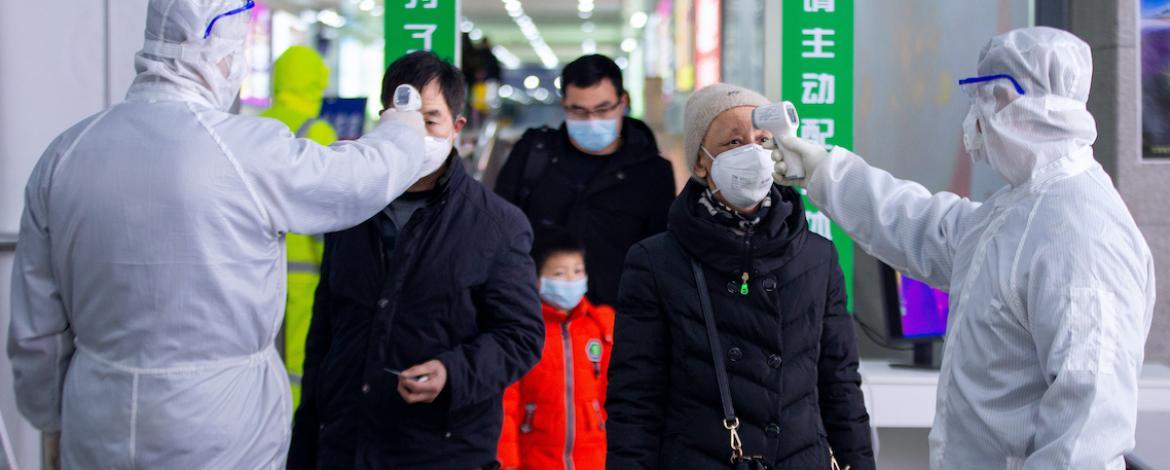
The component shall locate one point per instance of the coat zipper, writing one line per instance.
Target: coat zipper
(570, 419)
(747, 253)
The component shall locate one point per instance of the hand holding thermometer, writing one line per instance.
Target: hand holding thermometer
(419, 378)
(406, 98)
(780, 119)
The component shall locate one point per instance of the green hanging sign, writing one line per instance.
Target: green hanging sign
(817, 75)
(431, 25)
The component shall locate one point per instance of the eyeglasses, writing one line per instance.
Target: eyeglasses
(582, 113)
(247, 6)
(989, 78)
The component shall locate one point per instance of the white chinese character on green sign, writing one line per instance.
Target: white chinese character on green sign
(819, 88)
(422, 31)
(430, 4)
(813, 6)
(817, 130)
(818, 43)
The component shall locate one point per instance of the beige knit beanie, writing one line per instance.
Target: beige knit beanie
(705, 105)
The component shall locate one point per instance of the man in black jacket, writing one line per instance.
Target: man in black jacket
(600, 174)
(424, 314)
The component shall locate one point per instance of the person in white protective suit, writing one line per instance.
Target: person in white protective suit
(149, 280)
(1052, 285)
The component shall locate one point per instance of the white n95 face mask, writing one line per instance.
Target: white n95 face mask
(743, 175)
(436, 151)
(972, 138)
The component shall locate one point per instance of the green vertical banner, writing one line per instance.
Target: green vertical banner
(817, 74)
(431, 25)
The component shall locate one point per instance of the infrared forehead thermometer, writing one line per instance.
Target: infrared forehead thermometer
(406, 98)
(780, 119)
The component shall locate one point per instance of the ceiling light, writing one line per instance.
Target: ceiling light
(506, 91)
(638, 20)
(540, 94)
(331, 18)
(476, 34)
(622, 62)
(367, 5)
(557, 83)
(506, 57)
(584, 14)
(629, 44)
(589, 46)
(531, 82)
(587, 27)
(530, 32)
(585, 7)
(466, 26)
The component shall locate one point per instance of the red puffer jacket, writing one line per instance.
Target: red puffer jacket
(555, 415)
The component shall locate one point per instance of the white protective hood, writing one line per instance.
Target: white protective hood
(177, 63)
(1025, 134)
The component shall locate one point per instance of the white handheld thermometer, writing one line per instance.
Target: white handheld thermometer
(406, 98)
(780, 119)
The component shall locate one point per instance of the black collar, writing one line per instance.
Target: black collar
(776, 238)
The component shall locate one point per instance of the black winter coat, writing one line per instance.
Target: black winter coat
(790, 349)
(461, 288)
(623, 204)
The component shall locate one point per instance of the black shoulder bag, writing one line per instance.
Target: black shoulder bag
(730, 422)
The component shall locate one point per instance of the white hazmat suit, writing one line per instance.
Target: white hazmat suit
(1052, 284)
(149, 279)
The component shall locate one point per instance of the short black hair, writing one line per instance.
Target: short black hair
(551, 240)
(589, 70)
(417, 69)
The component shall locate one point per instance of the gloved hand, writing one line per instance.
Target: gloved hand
(412, 119)
(811, 155)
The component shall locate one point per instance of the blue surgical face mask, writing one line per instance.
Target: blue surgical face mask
(593, 134)
(565, 295)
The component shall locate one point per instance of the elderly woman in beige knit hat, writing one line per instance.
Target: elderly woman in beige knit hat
(732, 325)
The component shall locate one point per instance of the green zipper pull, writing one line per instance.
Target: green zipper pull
(743, 288)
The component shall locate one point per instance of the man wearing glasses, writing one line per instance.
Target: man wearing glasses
(600, 174)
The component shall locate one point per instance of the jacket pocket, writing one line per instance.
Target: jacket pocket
(1091, 333)
(529, 416)
(598, 416)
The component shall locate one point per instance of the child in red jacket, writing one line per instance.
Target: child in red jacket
(554, 417)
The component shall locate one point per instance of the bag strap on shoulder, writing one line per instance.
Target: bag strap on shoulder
(730, 422)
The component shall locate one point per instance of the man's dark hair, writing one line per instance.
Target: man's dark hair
(417, 69)
(551, 240)
(587, 71)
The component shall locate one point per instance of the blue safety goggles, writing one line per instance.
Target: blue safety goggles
(991, 78)
(247, 6)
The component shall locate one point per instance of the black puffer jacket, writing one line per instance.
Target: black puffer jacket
(790, 348)
(459, 287)
(623, 204)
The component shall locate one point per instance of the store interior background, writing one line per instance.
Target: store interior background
(63, 60)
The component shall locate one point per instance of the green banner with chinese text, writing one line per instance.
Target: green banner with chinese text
(431, 25)
(817, 74)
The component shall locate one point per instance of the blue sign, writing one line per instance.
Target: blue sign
(346, 115)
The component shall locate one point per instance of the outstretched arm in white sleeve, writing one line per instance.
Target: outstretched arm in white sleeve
(899, 222)
(304, 187)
